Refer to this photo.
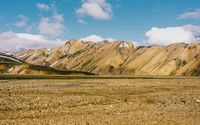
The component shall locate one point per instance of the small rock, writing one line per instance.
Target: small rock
(183, 101)
(198, 101)
(125, 100)
(155, 122)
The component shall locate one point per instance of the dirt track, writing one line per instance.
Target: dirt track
(100, 101)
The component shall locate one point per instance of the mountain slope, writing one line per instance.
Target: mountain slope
(11, 65)
(118, 58)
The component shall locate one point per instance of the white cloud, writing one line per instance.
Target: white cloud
(16, 42)
(95, 38)
(22, 22)
(97, 9)
(82, 21)
(136, 44)
(170, 35)
(191, 15)
(194, 29)
(52, 26)
(58, 17)
(42, 6)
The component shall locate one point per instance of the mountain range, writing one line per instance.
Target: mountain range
(117, 58)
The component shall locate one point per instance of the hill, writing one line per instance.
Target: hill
(12, 65)
(118, 58)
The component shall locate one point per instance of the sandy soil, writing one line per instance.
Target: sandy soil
(100, 102)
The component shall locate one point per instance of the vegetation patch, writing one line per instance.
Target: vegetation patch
(180, 63)
(196, 72)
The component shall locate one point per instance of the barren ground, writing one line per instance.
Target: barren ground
(100, 101)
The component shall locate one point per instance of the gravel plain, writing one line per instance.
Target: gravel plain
(100, 102)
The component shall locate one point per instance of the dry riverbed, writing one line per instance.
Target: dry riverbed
(100, 102)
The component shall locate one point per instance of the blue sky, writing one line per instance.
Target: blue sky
(119, 19)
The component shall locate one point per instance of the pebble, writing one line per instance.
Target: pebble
(198, 101)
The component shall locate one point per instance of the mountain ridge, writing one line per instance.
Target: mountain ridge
(12, 65)
(118, 58)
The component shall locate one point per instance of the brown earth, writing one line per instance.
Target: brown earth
(160, 101)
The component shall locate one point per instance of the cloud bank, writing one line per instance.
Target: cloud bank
(165, 36)
(16, 42)
(192, 28)
(95, 38)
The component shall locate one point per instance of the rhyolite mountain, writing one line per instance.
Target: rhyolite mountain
(12, 65)
(119, 57)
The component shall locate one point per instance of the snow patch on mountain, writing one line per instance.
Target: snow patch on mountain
(10, 58)
(123, 45)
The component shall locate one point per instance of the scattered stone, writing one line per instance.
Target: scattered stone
(183, 101)
(125, 100)
(198, 101)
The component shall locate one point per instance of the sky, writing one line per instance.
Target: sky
(33, 24)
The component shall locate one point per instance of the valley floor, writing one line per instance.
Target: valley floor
(100, 101)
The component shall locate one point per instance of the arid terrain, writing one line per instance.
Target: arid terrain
(105, 58)
(136, 101)
(117, 58)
